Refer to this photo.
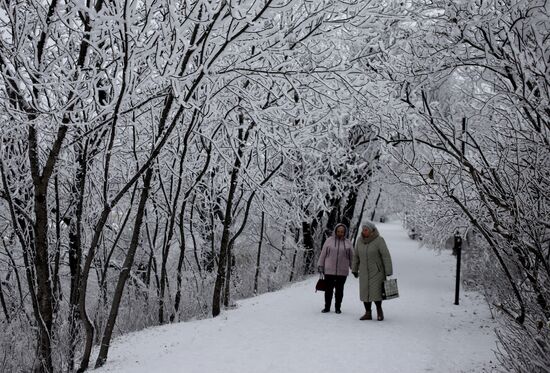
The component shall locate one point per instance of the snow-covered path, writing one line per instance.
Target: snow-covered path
(286, 332)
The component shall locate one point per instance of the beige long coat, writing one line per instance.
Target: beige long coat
(372, 260)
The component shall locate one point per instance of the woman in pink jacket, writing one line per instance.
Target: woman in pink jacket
(335, 262)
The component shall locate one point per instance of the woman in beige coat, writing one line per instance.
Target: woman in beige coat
(371, 263)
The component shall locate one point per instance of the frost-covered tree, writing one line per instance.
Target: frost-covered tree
(143, 144)
(471, 131)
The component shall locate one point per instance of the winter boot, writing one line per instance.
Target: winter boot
(367, 316)
(379, 312)
(325, 310)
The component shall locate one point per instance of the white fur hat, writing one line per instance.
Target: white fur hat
(369, 225)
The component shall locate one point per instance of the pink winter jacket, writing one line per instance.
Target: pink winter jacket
(336, 256)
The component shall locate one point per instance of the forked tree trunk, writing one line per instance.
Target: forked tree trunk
(181, 257)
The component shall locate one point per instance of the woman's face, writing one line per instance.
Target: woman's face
(365, 232)
(340, 232)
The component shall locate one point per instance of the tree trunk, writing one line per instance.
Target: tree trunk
(349, 208)
(224, 246)
(359, 221)
(375, 205)
(168, 240)
(332, 219)
(25, 235)
(43, 281)
(293, 266)
(259, 254)
(163, 274)
(3, 303)
(75, 252)
(57, 254)
(262, 224)
(88, 326)
(229, 270)
(41, 178)
(181, 257)
(125, 272)
(309, 245)
(194, 240)
(228, 220)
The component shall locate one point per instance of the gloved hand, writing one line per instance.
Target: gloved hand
(321, 269)
(355, 274)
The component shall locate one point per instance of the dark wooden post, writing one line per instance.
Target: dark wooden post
(457, 248)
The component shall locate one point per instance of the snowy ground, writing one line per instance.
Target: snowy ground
(286, 332)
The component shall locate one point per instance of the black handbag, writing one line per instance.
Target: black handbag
(321, 284)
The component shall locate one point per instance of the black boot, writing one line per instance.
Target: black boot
(368, 313)
(379, 312)
(366, 316)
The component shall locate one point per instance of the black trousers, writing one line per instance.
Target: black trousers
(334, 282)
